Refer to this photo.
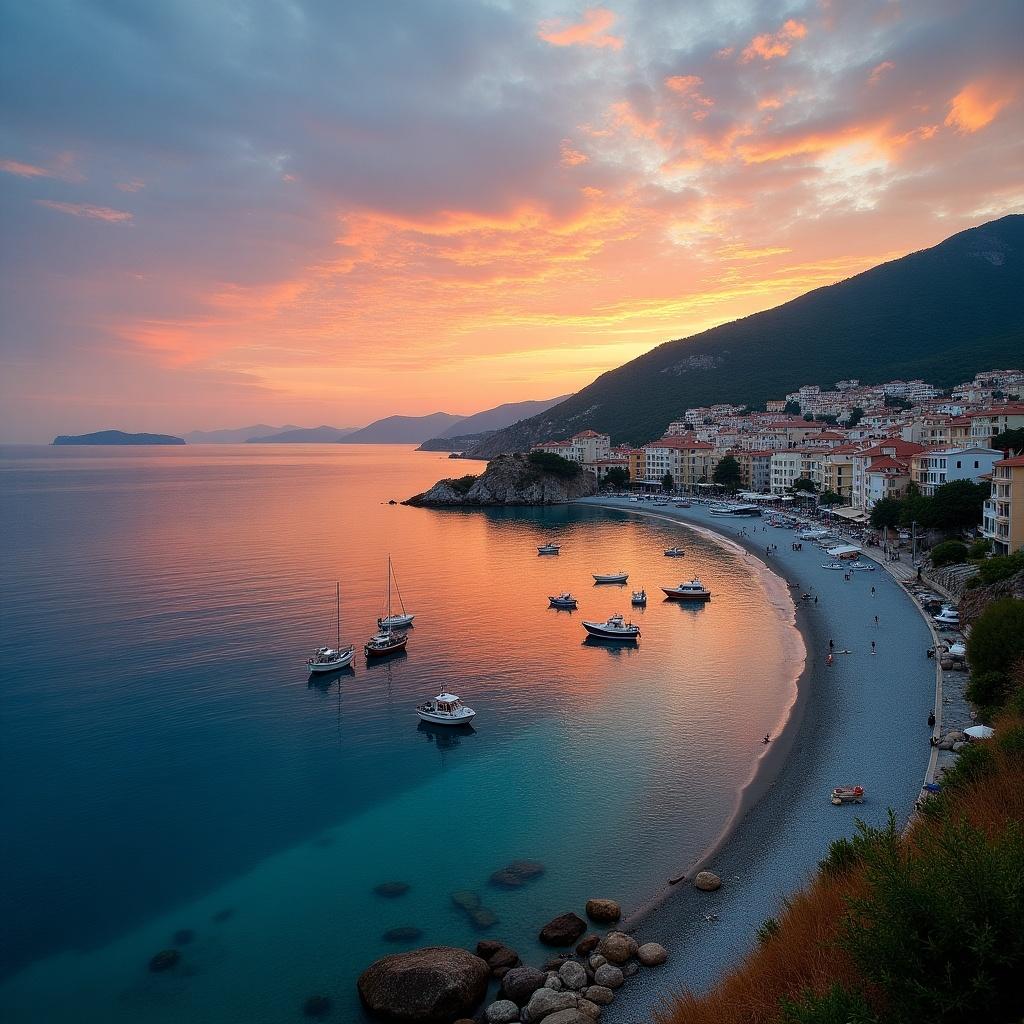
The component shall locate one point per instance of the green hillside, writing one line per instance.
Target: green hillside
(941, 314)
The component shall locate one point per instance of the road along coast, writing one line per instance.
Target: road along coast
(861, 720)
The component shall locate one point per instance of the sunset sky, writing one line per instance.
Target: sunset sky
(313, 211)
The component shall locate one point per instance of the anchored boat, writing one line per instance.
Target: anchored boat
(395, 621)
(692, 591)
(565, 600)
(612, 577)
(549, 549)
(616, 628)
(388, 640)
(446, 709)
(674, 552)
(639, 598)
(328, 659)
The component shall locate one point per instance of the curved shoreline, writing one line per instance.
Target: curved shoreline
(855, 722)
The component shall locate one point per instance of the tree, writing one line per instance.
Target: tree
(915, 508)
(996, 642)
(727, 473)
(804, 483)
(667, 483)
(1012, 440)
(616, 477)
(830, 498)
(548, 462)
(949, 552)
(886, 512)
(856, 413)
(793, 408)
(895, 402)
(957, 505)
(809, 417)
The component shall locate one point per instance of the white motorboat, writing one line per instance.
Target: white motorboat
(549, 549)
(958, 650)
(611, 577)
(674, 552)
(395, 620)
(862, 567)
(564, 600)
(692, 591)
(834, 565)
(723, 509)
(949, 616)
(616, 628)
(683, 503)
(329, 659)
(812, 534)
(445, 709)
(639, 598)
(388, 640)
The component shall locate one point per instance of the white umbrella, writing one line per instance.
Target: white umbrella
(980, 732)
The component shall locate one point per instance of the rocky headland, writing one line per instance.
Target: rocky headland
(513, 479)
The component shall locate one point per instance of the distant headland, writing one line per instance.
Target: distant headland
(116, 437)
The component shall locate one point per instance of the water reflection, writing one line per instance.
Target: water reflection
(613, 647)
(445, 737)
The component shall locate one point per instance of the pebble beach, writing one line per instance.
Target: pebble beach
(861, 721)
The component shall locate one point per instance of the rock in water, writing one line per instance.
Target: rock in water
(506, 879)
(651, 954)
(502, 1011)
(527, 870)
(520, 983)
(164, 960)
(587, 944)
(564, 930)
(406, 933)
(426, 986)
(466, 900)
(603, 911)
(391, 889)
(707, 881)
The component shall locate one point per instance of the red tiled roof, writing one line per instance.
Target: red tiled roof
(587, 433)
(1017, 460)
(680, 443)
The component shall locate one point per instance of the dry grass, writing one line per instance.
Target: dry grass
(802, 955)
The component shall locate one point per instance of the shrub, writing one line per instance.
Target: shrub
(997, 637)
(988, 689)
(837, 1006)
(938, 928)
(844, 854)
(548, 462)
(462, 484)
(1011, 741)
(1002, 567)
(980, 548)
(768, 928)
(975, 762)
(949, 552)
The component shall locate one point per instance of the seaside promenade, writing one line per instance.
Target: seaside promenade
(862, 720)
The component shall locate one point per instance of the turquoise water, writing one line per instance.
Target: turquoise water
(169, 765)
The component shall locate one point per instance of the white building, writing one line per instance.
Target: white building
(933, 468)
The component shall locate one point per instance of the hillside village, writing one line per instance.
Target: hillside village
(853, 446)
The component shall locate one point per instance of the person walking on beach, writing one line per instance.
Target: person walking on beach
(831, 643)
(872, 591)
(873, 651)
(876, 620)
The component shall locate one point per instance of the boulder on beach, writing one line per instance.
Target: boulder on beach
(592, 1010)
(563, 930)
(547, 1001)
(425, 986)
(587, 944)
(608, 976)
(599, 994)
(707, 881)
(572, 975)
(652, 954)
(520, 983)
(391, 889)
(164, 960)
(502, 1011)
(617, 947)
(570, 1016)
(603, 911)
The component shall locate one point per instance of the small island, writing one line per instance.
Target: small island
(539, 478)
(117, 437)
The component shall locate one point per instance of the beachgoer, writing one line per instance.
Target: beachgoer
(931, 718)
(872, 591)
(831, 643)
(767, 738)
(828, 660)
(876, 620)
(815, 598)
(873, 651)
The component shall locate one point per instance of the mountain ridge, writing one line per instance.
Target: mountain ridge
(941, 313)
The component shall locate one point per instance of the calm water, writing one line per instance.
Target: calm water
(167, 764)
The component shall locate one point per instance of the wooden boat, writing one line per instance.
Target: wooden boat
(565, 600)
(611, 577)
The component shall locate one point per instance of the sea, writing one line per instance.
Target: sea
(173, 777)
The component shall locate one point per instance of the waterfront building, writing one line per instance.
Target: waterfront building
(986, 423)
(689, 460)
(934, 467)
(1003, 514)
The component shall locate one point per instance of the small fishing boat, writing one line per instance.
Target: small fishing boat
(565, 600)
(834, 565)
(692, 591)
(616, 628)
(612, 577)
(683, 503)
(639, 598)
(848, 795)
(674, 552)
(329, 659)
(549, 549)
(949, 616)
(861, 567)
(445, 709)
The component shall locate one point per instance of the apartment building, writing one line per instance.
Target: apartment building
(1003, 514)
(689, 460)
(986, 423)
(934, 467)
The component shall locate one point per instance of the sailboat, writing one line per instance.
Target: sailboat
(395, 621)
(388, 640)
(328, 659)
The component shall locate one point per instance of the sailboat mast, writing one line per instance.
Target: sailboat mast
(338, 592)
(389, 593)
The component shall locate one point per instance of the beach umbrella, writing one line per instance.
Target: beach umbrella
(980, 732)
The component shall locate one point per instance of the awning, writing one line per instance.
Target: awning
(855, 515)
(844, 551)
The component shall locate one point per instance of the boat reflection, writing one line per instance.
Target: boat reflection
(322, 681)
(613, 647)
(445, 737)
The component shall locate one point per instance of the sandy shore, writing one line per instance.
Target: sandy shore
(861, 721)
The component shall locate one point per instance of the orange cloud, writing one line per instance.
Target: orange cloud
(774, 44)
(104, 213)
(688, 87)
(571, 157)
(975, 106)
(21, 170)
(591, 31)
(878, 70)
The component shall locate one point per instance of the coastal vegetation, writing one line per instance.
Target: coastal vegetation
(955, 506)
(616, 477)
(727, 473)
(548, 462)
